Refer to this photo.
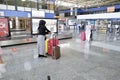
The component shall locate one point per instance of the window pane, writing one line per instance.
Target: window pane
(9, 2)
(1, 1)
(34, 4)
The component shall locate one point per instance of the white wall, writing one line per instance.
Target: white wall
(100, 16)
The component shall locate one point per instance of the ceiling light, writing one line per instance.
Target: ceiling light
(23, 0)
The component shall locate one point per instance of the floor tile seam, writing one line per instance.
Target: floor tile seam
(83, 52)
(101, 50)
(110, 68)
(111, 42)
(23, 70)
(78, 50)
(22, 54)
(20, 46)
(91, 69)
(55, 72)
(77, 45)
(75, 49)
(86, 71)
(31, 61)
(18, 54)
(107, 54)
(15, 73)
(94, 53)
(104, 43)
(116, 48)
(17, 50)
(15, 63)
(18, 57)
(91, 51)
(63, 71)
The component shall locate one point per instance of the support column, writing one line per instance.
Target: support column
(37, 4)
(75, 11)
(16, 4)
(17, 23)
(71, 11)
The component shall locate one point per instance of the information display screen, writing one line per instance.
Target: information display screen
(51, 24)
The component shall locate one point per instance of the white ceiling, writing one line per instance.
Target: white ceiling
(86, 3)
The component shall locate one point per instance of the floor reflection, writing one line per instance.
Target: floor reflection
(2, 69)
(27, 66)
(2, 65)
(87, 49)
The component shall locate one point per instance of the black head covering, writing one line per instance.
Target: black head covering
(42, 22)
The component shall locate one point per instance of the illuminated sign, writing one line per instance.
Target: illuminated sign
(38, 14)
(111, 9)
(4, 29)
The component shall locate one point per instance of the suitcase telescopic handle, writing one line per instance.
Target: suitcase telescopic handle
(54, 39)
(54, 35)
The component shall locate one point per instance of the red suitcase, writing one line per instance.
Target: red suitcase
(83, 36)
(50, 45)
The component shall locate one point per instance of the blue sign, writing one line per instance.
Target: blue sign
(11, 13)
(49, 15)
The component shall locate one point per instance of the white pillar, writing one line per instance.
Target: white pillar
(71, 11)
(17, 23)
(75, 11)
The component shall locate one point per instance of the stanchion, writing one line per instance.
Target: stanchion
(48, 77)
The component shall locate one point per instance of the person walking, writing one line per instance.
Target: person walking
(42, 31)
(91, 35)
(88, 31)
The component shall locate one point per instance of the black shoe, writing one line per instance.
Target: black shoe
(40, 55)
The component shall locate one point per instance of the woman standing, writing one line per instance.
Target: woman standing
(88, 31)
(42, 31)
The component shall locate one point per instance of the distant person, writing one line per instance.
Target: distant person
(116, 32)
(79, 26)
(116, 29)
(83, 26)
(64, 26)
(75, 26)
(91, 35)
(42, 31)
(109, 28)
(88, 31)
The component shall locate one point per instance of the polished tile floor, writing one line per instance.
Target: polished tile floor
(80, 60)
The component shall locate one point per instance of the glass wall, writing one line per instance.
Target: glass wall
(38, 4)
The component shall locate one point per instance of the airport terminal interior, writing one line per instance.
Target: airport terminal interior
(80, 60)
(88, 34)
